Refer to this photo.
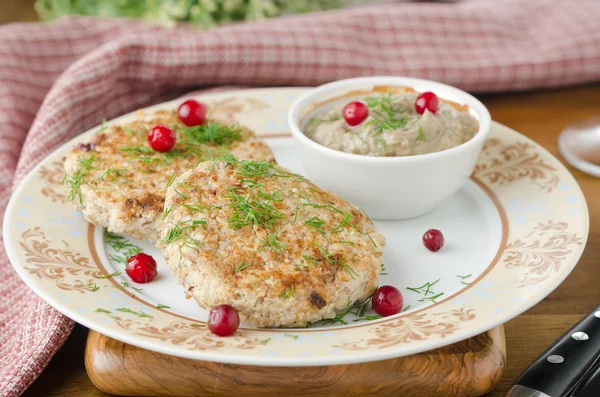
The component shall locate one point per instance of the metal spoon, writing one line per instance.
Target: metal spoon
(579, 144)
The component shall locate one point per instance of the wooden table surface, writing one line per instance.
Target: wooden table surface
(541, 116)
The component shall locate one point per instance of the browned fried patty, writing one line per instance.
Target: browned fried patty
(268, 242)
(119, 182)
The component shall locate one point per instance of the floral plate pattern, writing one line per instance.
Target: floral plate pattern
(542, 229)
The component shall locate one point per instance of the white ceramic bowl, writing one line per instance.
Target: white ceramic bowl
(387, 187)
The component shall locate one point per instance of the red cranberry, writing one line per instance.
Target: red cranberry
(387, 300)
(161, 138)
(192, 113)
(141, 268)
(427, 100)
(433, 240)
(355, 112)
(223, 320)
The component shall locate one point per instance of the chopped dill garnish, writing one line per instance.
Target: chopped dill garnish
(101, 310)
(249, 210)
(65, 243)
(242, 266)
(122, 246)
(462, 279)
(358, 309)
(317, 121)
(316, 223)
(384, 115)
(113, 173)
(110, 275)
(432, 298)
(287, 293)
(179, 231)
(161, 306)
(383, 272)
(125, 284)
(293, 336)
(210, 133)
(134, 150)
(273, 243)
(295, 216)
(171, 179)
(265, 341)
(138, 290)
(76, 180)
(166, 213)
(91, 286)
(425, 288)
(310, 259)
(128, 310)
(421, 136)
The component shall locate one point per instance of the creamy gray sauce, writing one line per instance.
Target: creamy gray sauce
(393, 128)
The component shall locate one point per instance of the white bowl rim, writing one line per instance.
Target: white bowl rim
(468, 99)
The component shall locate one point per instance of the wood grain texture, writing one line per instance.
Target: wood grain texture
(469, 368)
(540, 115)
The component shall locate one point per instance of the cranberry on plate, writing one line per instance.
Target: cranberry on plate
(192, 113)
(141, 268)
(433, 239)
(161, 138)
(387, 300)
(223, 320)
(355, 113)
(427, 100)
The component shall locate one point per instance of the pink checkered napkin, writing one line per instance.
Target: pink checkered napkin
(61, 79)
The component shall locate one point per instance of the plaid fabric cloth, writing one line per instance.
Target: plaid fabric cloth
(61, 79)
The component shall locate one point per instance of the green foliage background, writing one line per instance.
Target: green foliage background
(201, 13)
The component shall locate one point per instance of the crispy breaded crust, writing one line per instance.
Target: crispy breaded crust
(270, 243)
(118, 182)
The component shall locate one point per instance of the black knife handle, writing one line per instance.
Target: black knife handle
(589, 385)
(559, 368)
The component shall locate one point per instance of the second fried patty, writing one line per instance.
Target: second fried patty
(270, 243)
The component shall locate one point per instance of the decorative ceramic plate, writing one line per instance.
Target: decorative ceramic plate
(513, 234)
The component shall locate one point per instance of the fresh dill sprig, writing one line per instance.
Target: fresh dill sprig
(101, 310)
(311, 259)
(210, 133)
(77, 179)
(287, 293)
(91, 286)
(383, 272)
(431, 298)
(358, 309)
(110, 275)
(462, 279)
(179, 232)
(273, 243)
(384, 115)
(242, 266)
(421, 136)
(425, 288)
(113, 174)
(249, 210)
(128, 310)
(122, 246)
(171, 179)
(316, 223)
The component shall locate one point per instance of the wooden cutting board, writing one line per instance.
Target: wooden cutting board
(469, 368)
